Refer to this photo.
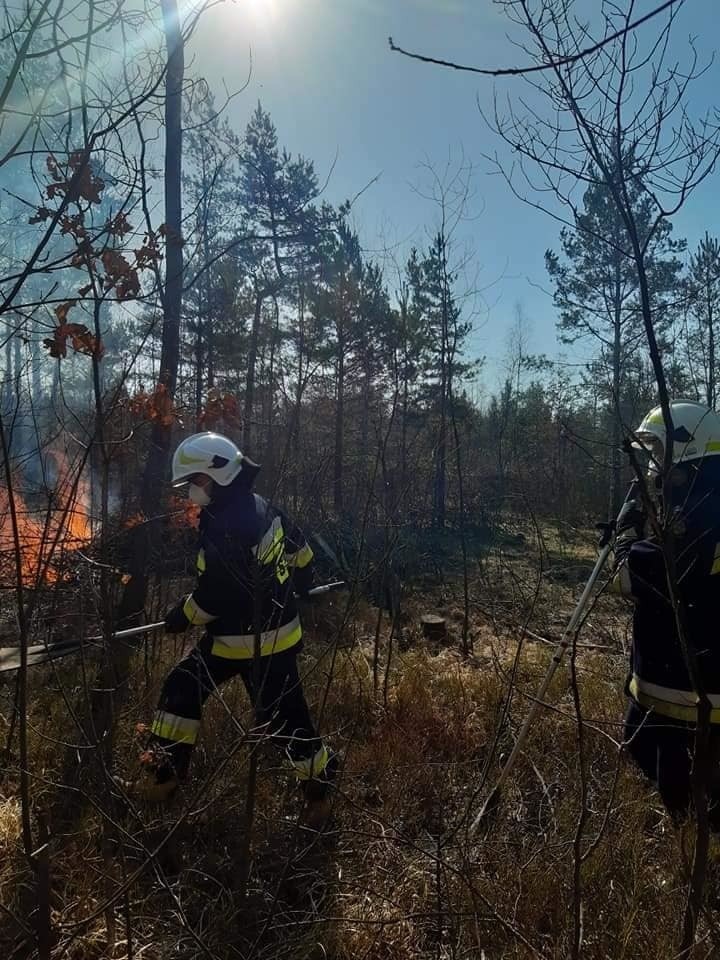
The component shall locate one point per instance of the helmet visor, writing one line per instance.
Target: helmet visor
(182, 482)
(651, 450)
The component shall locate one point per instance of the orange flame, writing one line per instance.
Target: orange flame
(43, 535)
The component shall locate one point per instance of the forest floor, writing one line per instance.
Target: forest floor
(577, 851)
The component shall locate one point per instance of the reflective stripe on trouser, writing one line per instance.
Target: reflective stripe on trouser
(169, 726)
(309, 767)
(275, 692)
(670, 702)
(242, 646)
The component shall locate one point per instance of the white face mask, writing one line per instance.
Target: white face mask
(199, 495)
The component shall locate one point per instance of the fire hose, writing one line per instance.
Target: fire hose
(54, 650)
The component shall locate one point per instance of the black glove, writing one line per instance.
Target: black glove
(605, 532)
(630, 524)
(175, 619)
(302, 582)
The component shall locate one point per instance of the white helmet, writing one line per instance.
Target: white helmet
(210, 454)
(696, 431)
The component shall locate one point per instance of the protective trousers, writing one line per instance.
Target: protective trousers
(663, 750)
(275, 690)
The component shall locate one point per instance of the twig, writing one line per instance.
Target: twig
(537, 68)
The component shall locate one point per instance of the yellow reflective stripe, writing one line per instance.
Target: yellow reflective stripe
(271, 549)
(242, 646)
(200, 562)
(668, 702)
(312, 766)
(713, 446)
(301, 558)
(271, 545)
(169, 726)
(715, 567)
(195, 613)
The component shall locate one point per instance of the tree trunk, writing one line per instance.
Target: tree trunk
(202, 345)
(405, 403)
(445, 386)
(362, 472)
(250, 375)
(339, 428)
(615, 460)
(8, 385)
(134, 595)
(711, 349)
(296, 422)
(198, 366)
(440, 481)
(36, 363)
(207, 326)
(269, 451)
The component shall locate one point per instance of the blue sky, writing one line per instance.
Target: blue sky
(323, 70)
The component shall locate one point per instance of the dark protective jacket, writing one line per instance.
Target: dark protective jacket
(659, 678)
(251, 562)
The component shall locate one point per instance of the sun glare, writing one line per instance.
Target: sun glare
(263, 10)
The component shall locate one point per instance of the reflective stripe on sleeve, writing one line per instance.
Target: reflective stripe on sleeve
(669, 702)
(271, 550)
(271, 544)
(242, 646)
(301, 558)
(311, 766)
(169, 726)
(195, 613)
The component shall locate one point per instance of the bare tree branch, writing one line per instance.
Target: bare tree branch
(539, 67)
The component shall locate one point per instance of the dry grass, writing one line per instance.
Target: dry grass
(399, 877)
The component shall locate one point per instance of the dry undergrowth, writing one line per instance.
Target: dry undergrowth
(398, 877)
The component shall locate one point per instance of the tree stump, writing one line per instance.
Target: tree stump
(433, 627)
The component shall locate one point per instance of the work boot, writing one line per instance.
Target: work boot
(158, 781)
(148, 789)
(317, 812)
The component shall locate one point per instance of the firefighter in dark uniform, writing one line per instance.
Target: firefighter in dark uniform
(251, 563)
(662, 713)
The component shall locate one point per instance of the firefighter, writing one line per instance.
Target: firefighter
(251, 563)
(662, 712)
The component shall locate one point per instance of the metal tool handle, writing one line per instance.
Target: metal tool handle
(327, 588)
(158, 625)
(539, 698)
(134, 631)
(43, 652)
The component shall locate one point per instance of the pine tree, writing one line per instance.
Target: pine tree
(703, 299)
(597, 294)
(278, 217)
(336, 307)
(433, 298)
(208, 197)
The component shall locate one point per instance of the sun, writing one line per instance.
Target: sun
(263, 10)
